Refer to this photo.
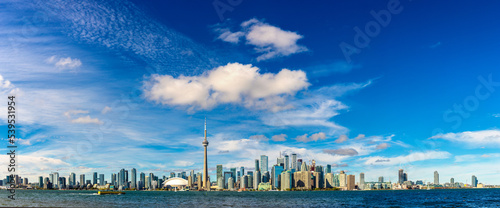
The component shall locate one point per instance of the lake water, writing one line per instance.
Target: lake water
(400, 198)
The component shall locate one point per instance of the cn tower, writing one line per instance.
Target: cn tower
(206, 183)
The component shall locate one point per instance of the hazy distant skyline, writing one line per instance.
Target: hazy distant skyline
(127, 84)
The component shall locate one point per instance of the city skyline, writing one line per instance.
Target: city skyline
(366, 87)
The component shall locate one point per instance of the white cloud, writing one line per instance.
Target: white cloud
(475, 157)
(86, 120)
(181, 163)
(383, 146)
(279, 138)
(314, 137)
(64, 63)
(474, 139)
(270, 41)
(106, 110)
(229, 36)
(496, 115)
(342, 138)
(412, 157)
(315, 115)
(233, 83)
(70, 113)
(342, 151)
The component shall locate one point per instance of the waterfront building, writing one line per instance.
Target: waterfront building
(436, 178)
(264, 186)
(242, 171)
(328, 169)
(256, 179)
(244, 182)
(286, 180)
(200, 182)
(302, 179)
(362, 181)
(263, 163)
(40, 182)
(72, 179)
(220, 183)
(265, 177)
(381, 179)
(277, 170)
(400, 176)
(94, 178)
(294, 162)
(316, 179)
(82, 180)
(148, 182)
(351, 182)
(287, 162)
(101, 179)
(227, 175)
(233, 170)
(452, 182)
(133, 183)
(342, 180)
(142, 179)
(55, 181)
(474, 181)
(219, 172)
(299, 164)
(329, 180)
(250, 179)
(230, 183)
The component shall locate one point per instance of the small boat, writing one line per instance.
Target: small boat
(110, 193)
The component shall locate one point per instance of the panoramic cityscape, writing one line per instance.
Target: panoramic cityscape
(287, 174)
(234, 103)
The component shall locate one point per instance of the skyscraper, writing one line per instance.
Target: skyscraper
(381, 179)
(263, 163)
(219, 172)
(350, 182)
(94, 178)
(82, 179)
(474, 181)
(299, 164)
(206, 184)
(400, 176)
(233, 170)
(242, 170)
(101, 179)
(287, 162)
(328, 169)
(257, 168)
(227, 175)
(436, 178)
(72, 177)
(113, 179)
(362, 181)
(342, 179)
(133, 184)
(294, 162)
(143, 180)
(277, 170)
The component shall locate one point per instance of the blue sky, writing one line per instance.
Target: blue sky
(107, 85)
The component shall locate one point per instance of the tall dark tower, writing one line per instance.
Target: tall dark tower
(206, 183)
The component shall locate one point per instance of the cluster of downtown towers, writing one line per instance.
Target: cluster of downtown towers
(284, 175)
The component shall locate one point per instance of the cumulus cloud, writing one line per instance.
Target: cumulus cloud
(360, 136)
(228, 36)
(270, 41)
(412, 157)
(474, 139)
(259, 137)
(86, 120)
(314, 137)
(344, 152)
(279, 138)
(233, 83)
(382, 146)
(64, 63)
(342, 138)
